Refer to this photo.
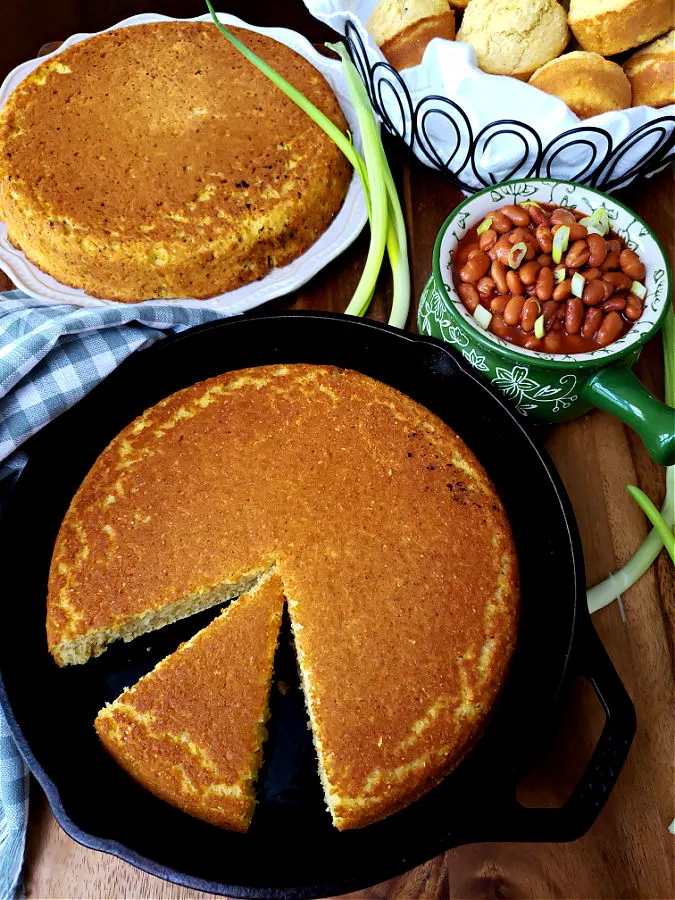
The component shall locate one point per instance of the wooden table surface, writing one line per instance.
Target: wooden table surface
(628, 852)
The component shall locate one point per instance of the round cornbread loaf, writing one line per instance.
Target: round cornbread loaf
(392, 546)
(588, 83)
(156, 161)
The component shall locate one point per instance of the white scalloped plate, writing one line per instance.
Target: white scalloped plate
(342, 231)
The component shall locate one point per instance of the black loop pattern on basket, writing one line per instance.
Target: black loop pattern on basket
(437, 121)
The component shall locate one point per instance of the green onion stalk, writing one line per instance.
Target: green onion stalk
(387, 227)
(664, 522)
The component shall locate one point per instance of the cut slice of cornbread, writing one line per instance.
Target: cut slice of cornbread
(191, 731)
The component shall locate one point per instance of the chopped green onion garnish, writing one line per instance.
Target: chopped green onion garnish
(578, 284)
(560, 241)
(539, 327)
(483, 316)
(484, 225)
(597, 223)
(559, 275)
(517, 254)
(638, 289)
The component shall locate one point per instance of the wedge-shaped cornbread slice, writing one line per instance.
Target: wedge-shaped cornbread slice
(191, 730)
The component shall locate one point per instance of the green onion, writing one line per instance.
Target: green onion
(483, 317)
(527, 203)
(539, 327)
(484, 225)
(578, 284)
(607, 591)
(638, 289)
(560, 241)
(387, 226)
(655, 517)
(517, 254)
(559, 274)
(597, 223)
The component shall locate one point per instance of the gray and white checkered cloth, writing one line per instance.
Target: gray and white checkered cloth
(50, 357)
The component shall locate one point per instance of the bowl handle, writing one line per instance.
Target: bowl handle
(580, 810)
(617, 390)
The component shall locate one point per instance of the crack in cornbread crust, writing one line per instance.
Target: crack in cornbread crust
(191, 731)
(392, 545)
(155, 180)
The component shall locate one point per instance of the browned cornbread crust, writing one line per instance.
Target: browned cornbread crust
(393, 547)
(155, 161)
(191, 730)
(612, 26)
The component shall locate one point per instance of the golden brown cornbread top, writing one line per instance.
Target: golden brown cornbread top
(391, 542)
(191, 730)
(165, 130)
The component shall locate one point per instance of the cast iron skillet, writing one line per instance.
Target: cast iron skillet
(292, 850)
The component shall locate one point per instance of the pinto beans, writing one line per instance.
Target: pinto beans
(517, 214)
(544, 238)
(528, 272)
(545, 284)
(618, 280)
(475, 267)
(561, 216)
(633, 309)
(498, 303)
(574, 315)
(529, 315)
(469, 296)
(614, 304)
(514, 282)
(594, 293)
(597, 249)
(631, 265)
(485, 287)
(518, 295)
(610, 329)
(513, 311)
(500, 222)
(487, 239)
(563, 290)
(592, 321)
(498, 274)
(577, 255)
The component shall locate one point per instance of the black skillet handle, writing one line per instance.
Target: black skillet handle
(581, 809)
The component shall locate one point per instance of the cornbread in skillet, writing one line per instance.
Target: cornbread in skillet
(156, 161)
(392, 545)
(192, 730)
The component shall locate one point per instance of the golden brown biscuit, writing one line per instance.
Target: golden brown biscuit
(612, 26)
(588, 84)
(174, 167)
(651, 72)
(403, 28)
(514, 37)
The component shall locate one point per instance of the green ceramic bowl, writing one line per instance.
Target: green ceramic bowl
(555, 387)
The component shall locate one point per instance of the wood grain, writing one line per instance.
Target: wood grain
(628, 852)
